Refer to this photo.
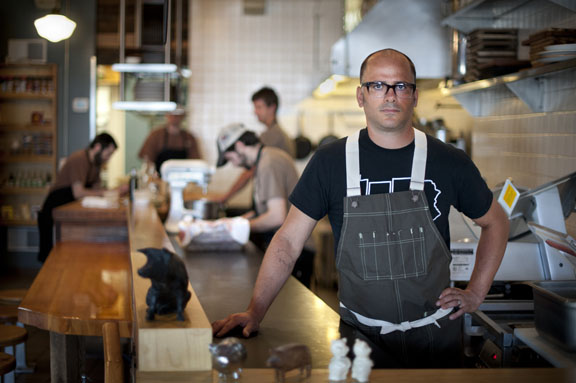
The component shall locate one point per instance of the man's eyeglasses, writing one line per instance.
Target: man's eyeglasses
(379, 89)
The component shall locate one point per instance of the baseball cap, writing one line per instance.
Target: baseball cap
(228, 137)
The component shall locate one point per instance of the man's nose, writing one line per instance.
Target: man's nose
(390, 95)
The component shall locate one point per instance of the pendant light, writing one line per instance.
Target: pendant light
(55, 27)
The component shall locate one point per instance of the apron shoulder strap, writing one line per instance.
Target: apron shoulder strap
(353, 165)
(419, 160)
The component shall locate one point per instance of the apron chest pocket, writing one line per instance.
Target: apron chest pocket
(394, 255)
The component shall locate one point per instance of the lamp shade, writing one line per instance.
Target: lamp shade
(55, 27)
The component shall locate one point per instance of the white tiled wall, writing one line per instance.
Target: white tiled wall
(532, 149)
(232, 55)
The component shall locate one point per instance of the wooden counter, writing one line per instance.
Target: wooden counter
(506, 375)
(164, 344)
(73, 222)
(75, 290)
(80, 287)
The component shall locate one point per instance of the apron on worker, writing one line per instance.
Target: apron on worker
(170, 154)
(392, 261)
(45, 221)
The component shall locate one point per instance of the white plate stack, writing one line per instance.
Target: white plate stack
(556, 53)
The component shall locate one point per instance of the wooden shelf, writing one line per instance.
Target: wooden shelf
(23, 158)
(27, 96)
(26, 191)
(28, 93)
(27, 128)
(18, 222)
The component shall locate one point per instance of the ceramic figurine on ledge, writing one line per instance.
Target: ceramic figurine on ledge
(227, 359)
(169, 291)
(362, 365)
(340, 363)
(289, 357)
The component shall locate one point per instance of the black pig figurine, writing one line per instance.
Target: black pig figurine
(289, 357)
(169, 291)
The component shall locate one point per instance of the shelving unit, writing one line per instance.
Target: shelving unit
(28, 140)
(521, 14)
(547, 88)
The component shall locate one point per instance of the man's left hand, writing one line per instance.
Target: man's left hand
(465, 300)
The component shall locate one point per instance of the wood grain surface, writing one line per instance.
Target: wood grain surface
(164, 344)
(497, 375)
(73, 222)
(81, 286)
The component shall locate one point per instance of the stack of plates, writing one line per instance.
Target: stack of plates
(555, 53)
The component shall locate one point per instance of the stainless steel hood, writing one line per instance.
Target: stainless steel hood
(410, 26)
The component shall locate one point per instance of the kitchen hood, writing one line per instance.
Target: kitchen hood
(410, 26)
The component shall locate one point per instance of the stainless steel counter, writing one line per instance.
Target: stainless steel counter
(223, 282)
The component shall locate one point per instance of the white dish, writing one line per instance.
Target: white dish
(555, 59)
(561, 47)
(556, 53)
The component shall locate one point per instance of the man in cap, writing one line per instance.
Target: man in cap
(265, 102)
(169, 142)
(274, 179)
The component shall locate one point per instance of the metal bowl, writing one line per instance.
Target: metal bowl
(205, 209)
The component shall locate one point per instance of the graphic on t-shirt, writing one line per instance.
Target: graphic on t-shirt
(400, 184)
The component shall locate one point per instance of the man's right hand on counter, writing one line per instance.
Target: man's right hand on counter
(246, 322)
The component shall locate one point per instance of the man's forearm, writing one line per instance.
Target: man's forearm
(275, 269)
(489, 254)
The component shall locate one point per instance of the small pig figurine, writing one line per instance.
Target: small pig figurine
(340, 363)
(227, 358)
(289, 357)
(169, 291)
(362, 364)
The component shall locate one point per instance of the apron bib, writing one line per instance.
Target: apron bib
(392, 261)
(169, 154)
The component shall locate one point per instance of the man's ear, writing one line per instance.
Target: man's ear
(239, 146)
(360, 96)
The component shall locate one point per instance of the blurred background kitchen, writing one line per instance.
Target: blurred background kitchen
(309, 51)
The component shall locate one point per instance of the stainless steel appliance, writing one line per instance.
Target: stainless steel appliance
(495, 335)
(178, 173)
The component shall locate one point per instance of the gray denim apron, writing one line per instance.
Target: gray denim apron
(393, 264)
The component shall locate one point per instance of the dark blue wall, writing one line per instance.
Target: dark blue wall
(17, 21)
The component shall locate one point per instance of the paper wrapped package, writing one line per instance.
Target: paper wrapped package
(94, 202)
(222, 234)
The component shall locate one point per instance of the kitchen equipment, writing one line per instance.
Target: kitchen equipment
(527, 256)
(178, 173)
(204, 208)
(555, 312)
(538, 217)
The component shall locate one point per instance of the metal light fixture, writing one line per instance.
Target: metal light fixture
(55, 27)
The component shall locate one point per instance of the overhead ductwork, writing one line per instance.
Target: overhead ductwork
(410, 26)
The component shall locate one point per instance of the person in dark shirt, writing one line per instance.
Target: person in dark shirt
(387, 191)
